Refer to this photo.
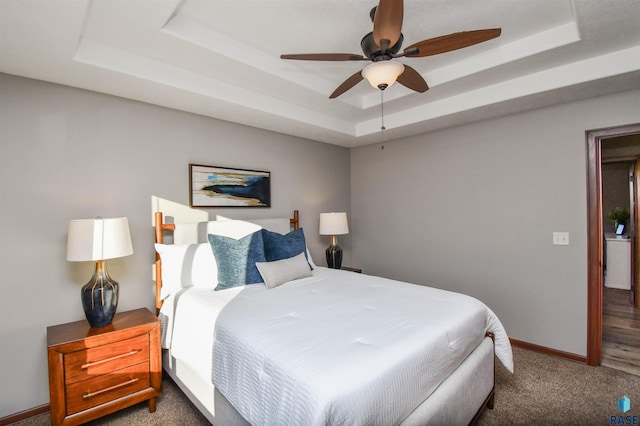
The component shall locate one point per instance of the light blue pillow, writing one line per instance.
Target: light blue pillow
(279, 247)
(236, 259)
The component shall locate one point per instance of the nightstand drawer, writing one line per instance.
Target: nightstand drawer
(101, 389)
(91, 362)
(97, 371)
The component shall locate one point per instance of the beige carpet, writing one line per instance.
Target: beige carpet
(547, 390)
(544, 390)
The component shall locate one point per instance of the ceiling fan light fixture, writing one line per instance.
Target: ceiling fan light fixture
(382, 74)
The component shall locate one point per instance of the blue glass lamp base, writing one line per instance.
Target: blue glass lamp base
(334, 256)
(100, 297)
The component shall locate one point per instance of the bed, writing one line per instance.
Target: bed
(303, 344)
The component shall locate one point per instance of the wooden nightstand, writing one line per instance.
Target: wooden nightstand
(97, 371)
(347, 268)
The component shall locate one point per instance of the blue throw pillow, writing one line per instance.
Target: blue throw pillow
(237, 259)
(279, 247)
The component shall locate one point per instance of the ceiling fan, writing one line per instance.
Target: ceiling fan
(383, 44)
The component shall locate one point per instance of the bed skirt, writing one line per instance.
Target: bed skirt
(458, 400)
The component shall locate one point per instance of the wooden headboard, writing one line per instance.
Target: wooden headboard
(161, 227)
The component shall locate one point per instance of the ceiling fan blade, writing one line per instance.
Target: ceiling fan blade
(450, 42)
(413, 80)
(325, 57)
(387, 23)
(348, 84)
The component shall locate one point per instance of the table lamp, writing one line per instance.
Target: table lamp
(98, 240)
(334, 224)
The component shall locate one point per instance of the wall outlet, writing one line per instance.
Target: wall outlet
(561, 238)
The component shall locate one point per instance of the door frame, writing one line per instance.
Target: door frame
(594, 140)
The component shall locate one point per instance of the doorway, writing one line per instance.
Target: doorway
(596, 237)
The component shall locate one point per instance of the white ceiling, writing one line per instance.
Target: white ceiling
(220, 58)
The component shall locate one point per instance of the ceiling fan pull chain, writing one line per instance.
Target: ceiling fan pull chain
(382, 109)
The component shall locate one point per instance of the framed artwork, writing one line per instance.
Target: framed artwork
(212, 186)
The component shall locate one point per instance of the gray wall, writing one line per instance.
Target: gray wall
(469, 209)
(69, 154)
(473, 208)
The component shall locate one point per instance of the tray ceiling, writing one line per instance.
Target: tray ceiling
(221, 58)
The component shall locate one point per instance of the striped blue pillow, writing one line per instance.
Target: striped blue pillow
(236, 259)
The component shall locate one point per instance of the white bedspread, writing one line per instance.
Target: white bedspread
(343, 348)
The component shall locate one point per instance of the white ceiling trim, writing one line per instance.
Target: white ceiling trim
(115, 59)
(111, 58)
(195, 33)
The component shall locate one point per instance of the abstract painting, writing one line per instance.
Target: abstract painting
(212, 186)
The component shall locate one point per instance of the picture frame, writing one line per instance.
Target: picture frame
(215, 186)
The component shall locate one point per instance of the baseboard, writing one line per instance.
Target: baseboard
(32, 412)
(548, 351)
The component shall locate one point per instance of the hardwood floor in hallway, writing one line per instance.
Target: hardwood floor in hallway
(620, 332)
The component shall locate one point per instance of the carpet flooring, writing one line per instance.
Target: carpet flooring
(547, 390)
(544, 390)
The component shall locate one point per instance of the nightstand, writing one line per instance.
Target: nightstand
(347, 268)
(97, 371)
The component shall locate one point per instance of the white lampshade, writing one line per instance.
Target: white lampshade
(98, 239)
(383, 73)
(333, 224)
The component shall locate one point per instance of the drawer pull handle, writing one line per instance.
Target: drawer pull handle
(91, 394)
(91, 364)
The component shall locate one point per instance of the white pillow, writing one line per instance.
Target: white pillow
(189, 265)
(190, 233)
(236, 229)
(282, 271)
(196, 232)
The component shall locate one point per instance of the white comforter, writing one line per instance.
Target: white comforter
(343, 348)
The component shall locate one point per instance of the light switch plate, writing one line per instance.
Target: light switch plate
(561, 238)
